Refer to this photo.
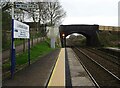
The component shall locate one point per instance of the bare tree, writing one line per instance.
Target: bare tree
(50, 13)
(5, 5)
(55, 12)
(42, 18)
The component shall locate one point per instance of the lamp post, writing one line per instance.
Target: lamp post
(12, 45)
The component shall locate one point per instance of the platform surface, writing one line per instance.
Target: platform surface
(113, 48)
(37, 74)
(79, 76)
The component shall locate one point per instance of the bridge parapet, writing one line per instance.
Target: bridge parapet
(109, 28)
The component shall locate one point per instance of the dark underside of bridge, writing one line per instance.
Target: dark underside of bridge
(89, 31)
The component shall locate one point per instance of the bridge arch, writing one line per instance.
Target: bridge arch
(83, 34)
(89, 31)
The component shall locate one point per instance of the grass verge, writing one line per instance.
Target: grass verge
(35, 52)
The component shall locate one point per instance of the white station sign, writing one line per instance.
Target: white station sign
(24, 5)
(21, 30)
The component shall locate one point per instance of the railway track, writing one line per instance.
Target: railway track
(113, 59)
(103, 71)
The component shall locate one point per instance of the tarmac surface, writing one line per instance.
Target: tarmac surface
(37, 74)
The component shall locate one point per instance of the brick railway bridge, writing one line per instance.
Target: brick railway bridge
(89, 31)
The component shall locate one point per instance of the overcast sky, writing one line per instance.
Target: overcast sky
(101, 12)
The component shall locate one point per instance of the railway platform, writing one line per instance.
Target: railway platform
(114, 49)
(51, 71)
(37, 74)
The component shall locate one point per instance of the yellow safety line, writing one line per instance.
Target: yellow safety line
(50, 82)
(54, 70)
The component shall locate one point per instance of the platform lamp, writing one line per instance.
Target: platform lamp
(63, 37)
